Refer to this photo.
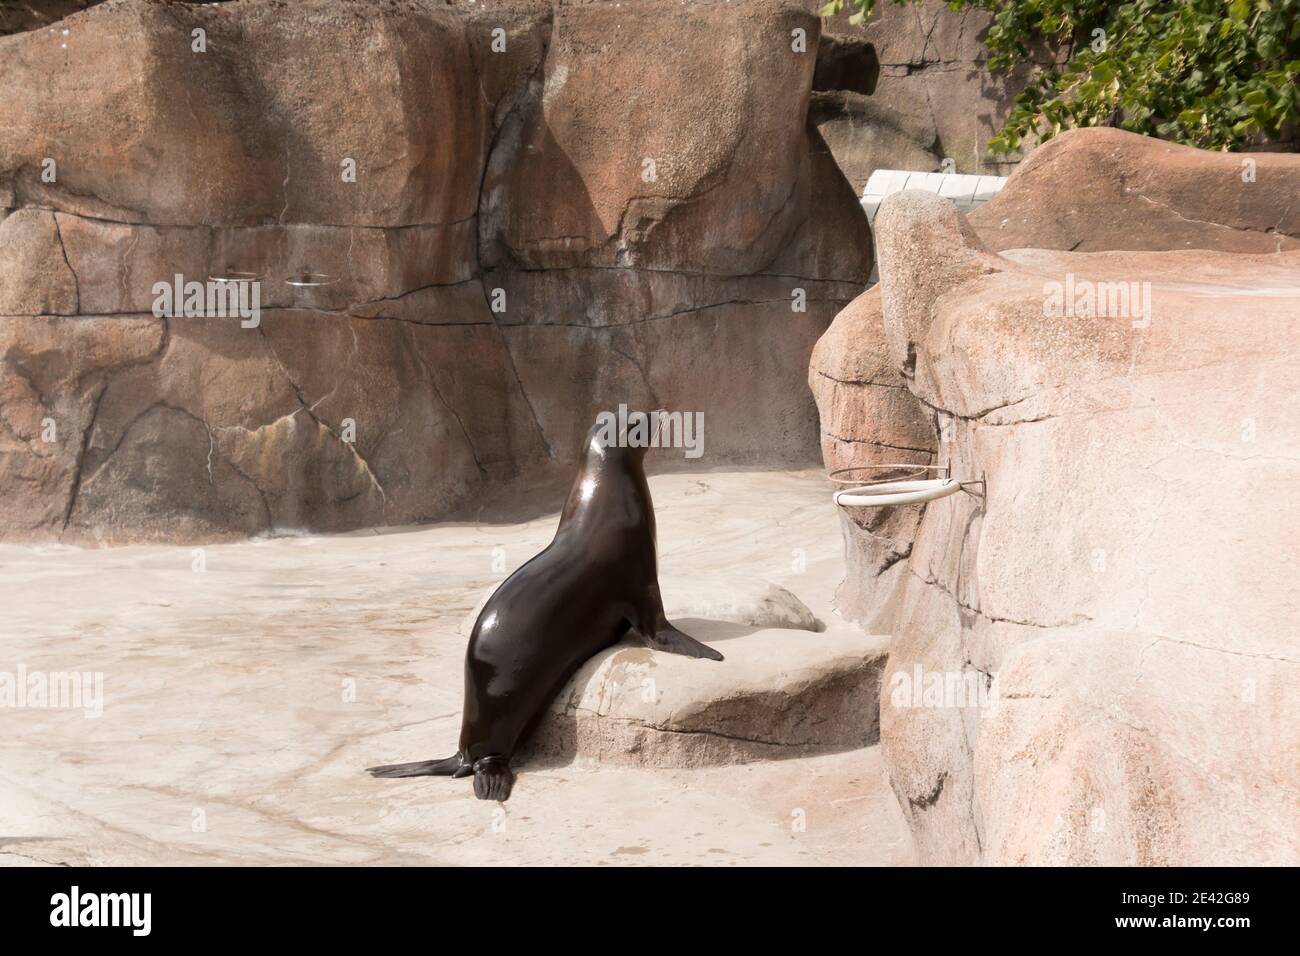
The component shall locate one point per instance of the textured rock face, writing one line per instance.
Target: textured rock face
(618, 232)
(869, 418)
(1092, 190)
(931, 97)
(252, 132)
(533, 233)
(1086, 190)
(1091, 660)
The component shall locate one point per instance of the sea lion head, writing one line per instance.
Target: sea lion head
(622, 438)
(614, 451)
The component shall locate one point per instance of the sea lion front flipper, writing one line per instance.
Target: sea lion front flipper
(658, 635)
(672, 641)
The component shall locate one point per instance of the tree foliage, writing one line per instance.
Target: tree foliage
(1217, 74)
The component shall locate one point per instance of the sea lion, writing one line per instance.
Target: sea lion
(596, 582)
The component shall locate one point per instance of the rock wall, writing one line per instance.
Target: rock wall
(1110, 620)
(913, 89)
(554, 211)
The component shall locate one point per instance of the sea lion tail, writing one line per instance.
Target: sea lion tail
(446, 767)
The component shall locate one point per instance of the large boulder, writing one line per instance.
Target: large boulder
(1092, 653)
(1086, 190)
(250, 120)
(1097, 189)
(637, 143)
(776, 697)
(492, 260)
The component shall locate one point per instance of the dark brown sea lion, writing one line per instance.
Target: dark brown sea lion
(596, 581)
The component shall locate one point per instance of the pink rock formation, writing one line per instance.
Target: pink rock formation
(911, 89)
(554, 211)
(1085, 190)
(1092, 190)
(1110, 623)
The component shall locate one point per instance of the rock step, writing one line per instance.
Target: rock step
(779, 693)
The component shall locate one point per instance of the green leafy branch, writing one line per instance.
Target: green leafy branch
(1217, 74)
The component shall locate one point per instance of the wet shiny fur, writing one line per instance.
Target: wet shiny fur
(597, 580)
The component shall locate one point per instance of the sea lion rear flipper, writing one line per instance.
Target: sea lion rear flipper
(672, 641)
(493, 778)
(452, 766)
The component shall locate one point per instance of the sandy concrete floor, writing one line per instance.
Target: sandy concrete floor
(242, 701)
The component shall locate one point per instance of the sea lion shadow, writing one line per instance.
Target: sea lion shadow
(712, 631)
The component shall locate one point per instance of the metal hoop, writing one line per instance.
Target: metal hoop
(305, 280)
(897, 493)
(915, 470)
(907, 491)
